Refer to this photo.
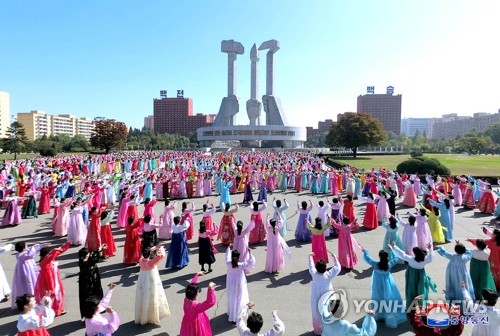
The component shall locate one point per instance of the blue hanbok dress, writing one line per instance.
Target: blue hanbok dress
(148, 190)
(70, 191)
(262, 192)
(323, 189)
(305, 180)
(314, 189)
(456, 273)
(224, 195)
(386, 293)
(357, 187)
(178, 253)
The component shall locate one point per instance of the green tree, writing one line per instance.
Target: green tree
(494, 133)
(16, 139)
(108, 134)
(471, 145)
(354, 130)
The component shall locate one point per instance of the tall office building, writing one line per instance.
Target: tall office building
(409, 126)
(175, 115)
(384, 107)
(4, 113)
(38, 123)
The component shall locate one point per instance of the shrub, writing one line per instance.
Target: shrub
(416, 153)
(423, 165)
(48, 151)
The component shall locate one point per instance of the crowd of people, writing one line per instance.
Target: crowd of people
(84, 196)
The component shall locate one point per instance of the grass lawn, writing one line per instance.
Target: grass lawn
(479, 165)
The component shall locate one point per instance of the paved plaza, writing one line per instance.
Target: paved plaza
(288, 291)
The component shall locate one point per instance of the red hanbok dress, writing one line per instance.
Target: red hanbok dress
(226, 234)
(486, 202)
(49, 279)
(132, 247)
(348, 210)
(44, 205)
(94, 241)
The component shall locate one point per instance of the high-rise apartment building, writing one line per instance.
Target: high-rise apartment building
(384, 107)
(453, 125)
(175, 115)
(4, 113)
(149, 122)
(39, 123)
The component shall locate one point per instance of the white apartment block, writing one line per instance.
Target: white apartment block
(4, 113)
(452, 125)
(38, 123)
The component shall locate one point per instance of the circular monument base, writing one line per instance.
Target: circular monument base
(254, 136)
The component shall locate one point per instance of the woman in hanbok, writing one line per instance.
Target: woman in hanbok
(148, 189)
(384, 288)
(206, 250)
(236, 283)
(29, 208)
(132, 207)
(258, 233)
(480, 270)
(225, 197)
(469, 202)
(44, 203)
(409, 237)
(49, 278)
(199, 186)
(206, 216)
(106, 235)
(195, 320)
(178, 253)
(417, 282)
(34, 318)
(496, 213)
(132, 247)
(4, 285)
(487, 201)
(321, 284)
(226, 234)
(435, 225)
(187, 215)
(276, 247)
(279, 215)
(121, 220)
(332, 312)
(348, 208)
(382, 206)
(207, 185)
(89, 278)
(457, 272)
(410, 198)
(392, 235)
(12, 214)
(149, 208)
(167, 220)
(151, 303)
(314, 189)
(262, 190)
(445, 218)
(77, 231)
(247, 191)
(347, 254)
(63, 217)
(56, 202)
(240, 242)
(95, 323)
(318, 238)
(26, 270)
(370, 221)
(94, 239)
(457, 194)
(323, 186)
(301, 231)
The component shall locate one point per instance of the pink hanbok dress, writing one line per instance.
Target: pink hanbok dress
(240, 242)
(346, 242)
(319, 242)
(195, 320)
(167, 221)
(276, 247)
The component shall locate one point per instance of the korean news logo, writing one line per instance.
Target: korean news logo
(442, 315)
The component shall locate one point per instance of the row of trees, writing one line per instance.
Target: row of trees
(360, 130)
(108, 134)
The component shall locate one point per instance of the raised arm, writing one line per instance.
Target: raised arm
(442, 252)
(401, 254)
(368, 259)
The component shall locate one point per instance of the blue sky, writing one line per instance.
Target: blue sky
(111, 58)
